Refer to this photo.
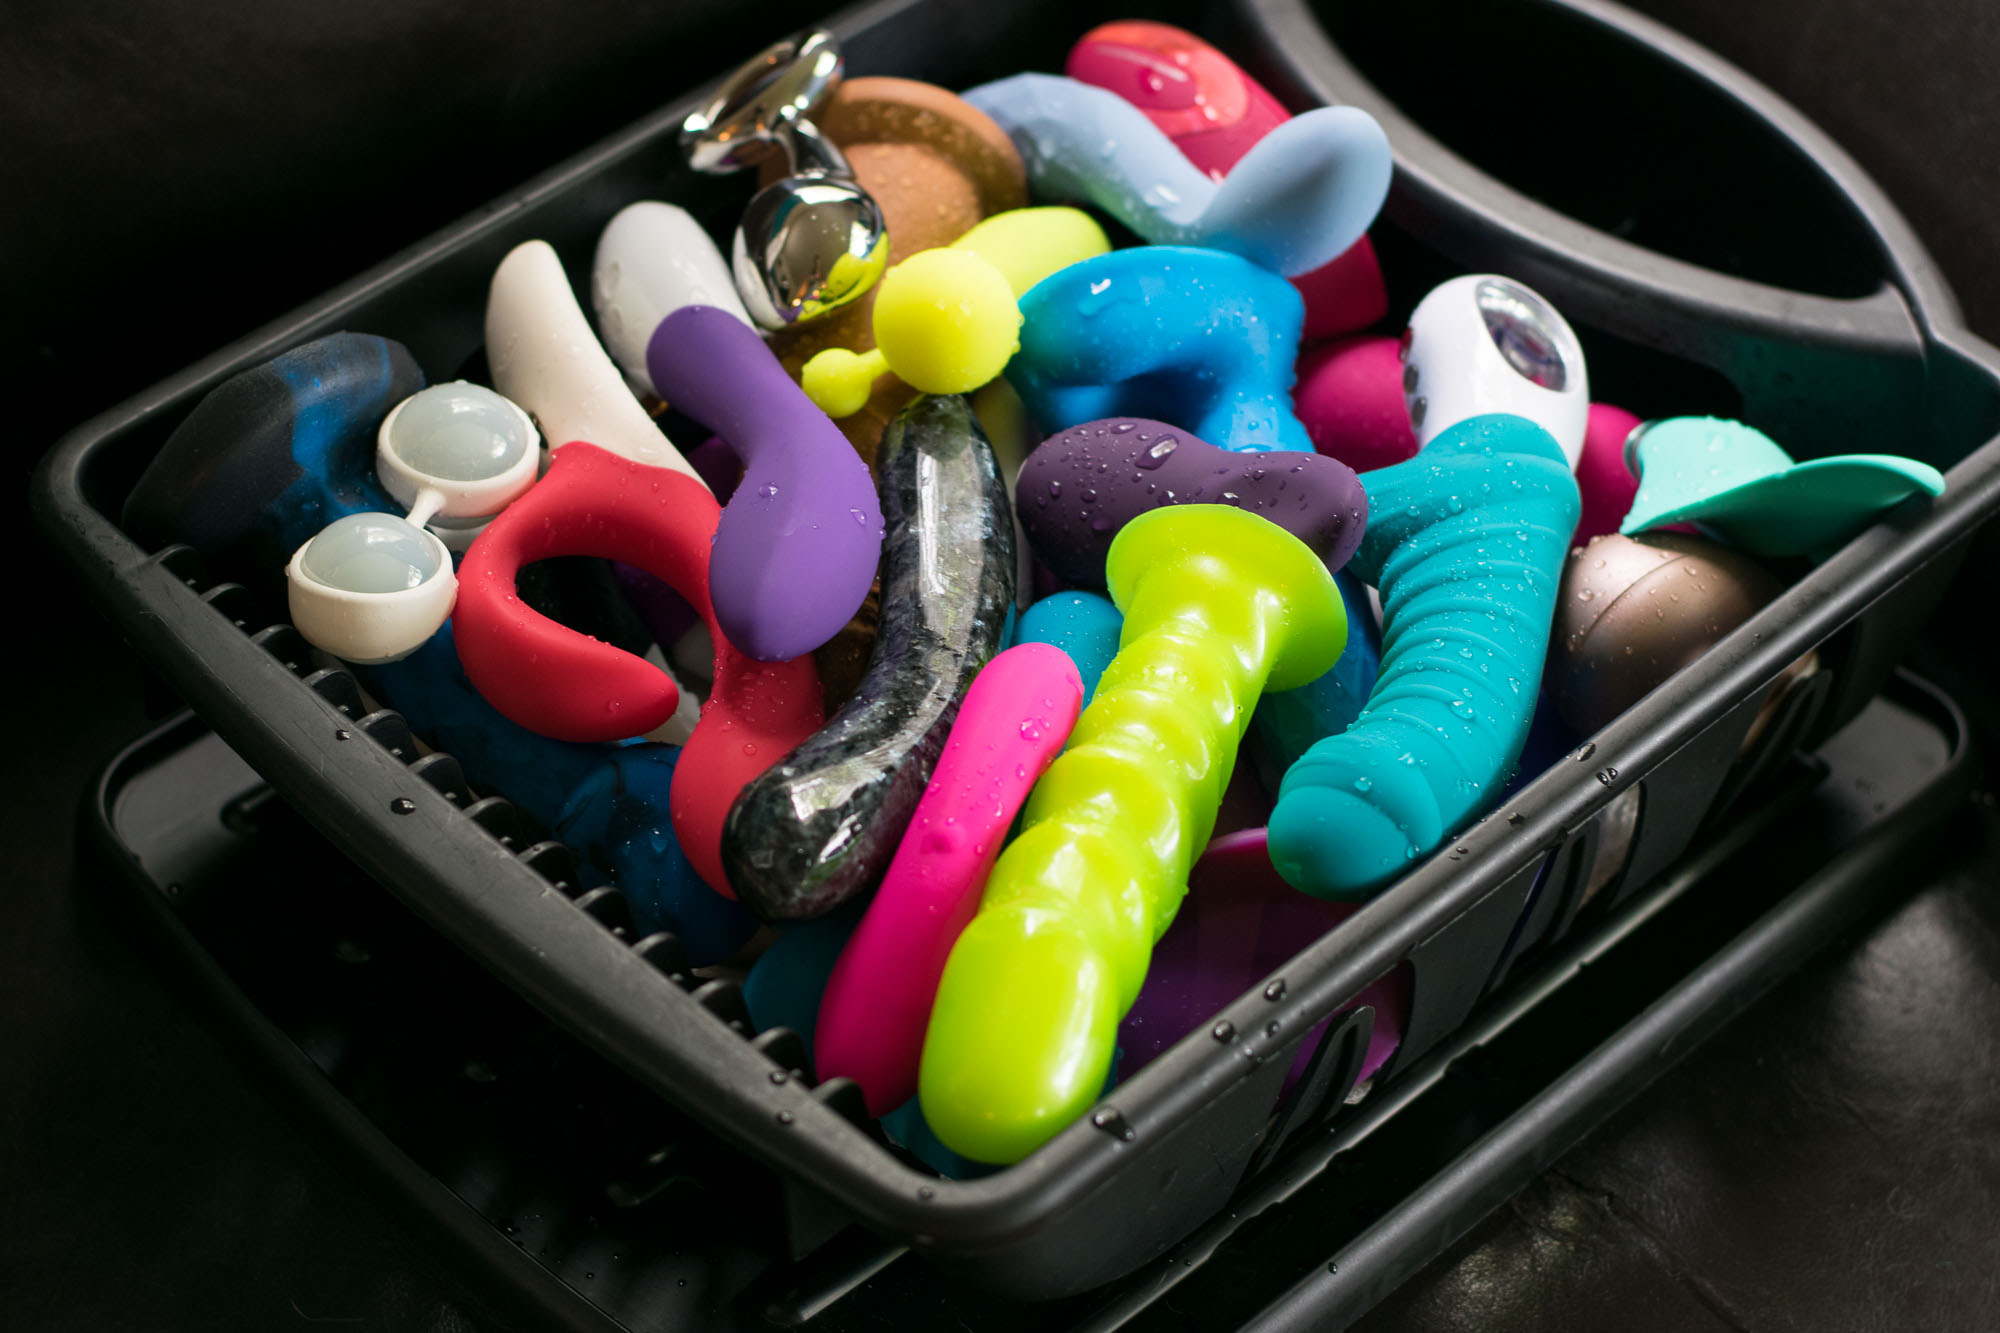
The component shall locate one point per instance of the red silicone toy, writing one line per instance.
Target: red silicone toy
(555, 681)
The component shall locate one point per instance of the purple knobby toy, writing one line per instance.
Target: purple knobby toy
(1081, 485)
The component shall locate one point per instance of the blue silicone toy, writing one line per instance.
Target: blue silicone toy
(1083, 624)
(1465, 542)
(1300, 197)
(1199, 339)
(1741, 488)
(608, 802)
(1290, 722)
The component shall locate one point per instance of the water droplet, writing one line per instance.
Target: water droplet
(402, 805)
(1276, 990)
(1160, 451)
(1114, 1123)
(1225, 1031)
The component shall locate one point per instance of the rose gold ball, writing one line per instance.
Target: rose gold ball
(1634, 610)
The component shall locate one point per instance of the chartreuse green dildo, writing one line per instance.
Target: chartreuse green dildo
(1220, 605)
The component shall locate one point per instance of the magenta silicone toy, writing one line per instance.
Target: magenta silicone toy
(1010, 726)
(1350, 400)
(1081, 485)
(1605, 483)
(1215, 113)
(1238, 924)
(799, 540)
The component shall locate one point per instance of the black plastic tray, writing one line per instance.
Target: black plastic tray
(1091, 1205)
(581, 1196)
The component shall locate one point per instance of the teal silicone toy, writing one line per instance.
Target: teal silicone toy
(1465, 542)
(1082, 624)
(1741, 488)
(1196, 338)
(1290, 722)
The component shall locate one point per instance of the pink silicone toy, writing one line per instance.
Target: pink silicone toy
(1350, 400)
(1606, 484)
(877, 1005)
(1215, 113)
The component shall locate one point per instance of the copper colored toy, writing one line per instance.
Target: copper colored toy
(1633, 611)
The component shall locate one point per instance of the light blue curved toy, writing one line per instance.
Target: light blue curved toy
(1741, 488)
(1084, 625)
(1300, 197)
(1465, 542)
(1199, 339)
(1290, 722)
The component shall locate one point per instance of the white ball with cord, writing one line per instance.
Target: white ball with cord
(370, 588)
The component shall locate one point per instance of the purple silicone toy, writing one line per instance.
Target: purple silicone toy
(797, 546)
(1081, 485)
(1238, 923)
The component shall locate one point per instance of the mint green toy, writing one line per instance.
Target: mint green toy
(1742, 489)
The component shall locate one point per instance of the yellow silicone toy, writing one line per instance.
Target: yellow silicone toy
(946, 320)
(1220, 605)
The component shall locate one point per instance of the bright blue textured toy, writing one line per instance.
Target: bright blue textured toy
(1196, 338)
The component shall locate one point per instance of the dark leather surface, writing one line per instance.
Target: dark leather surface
(177, 173)
(1830, 1161)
